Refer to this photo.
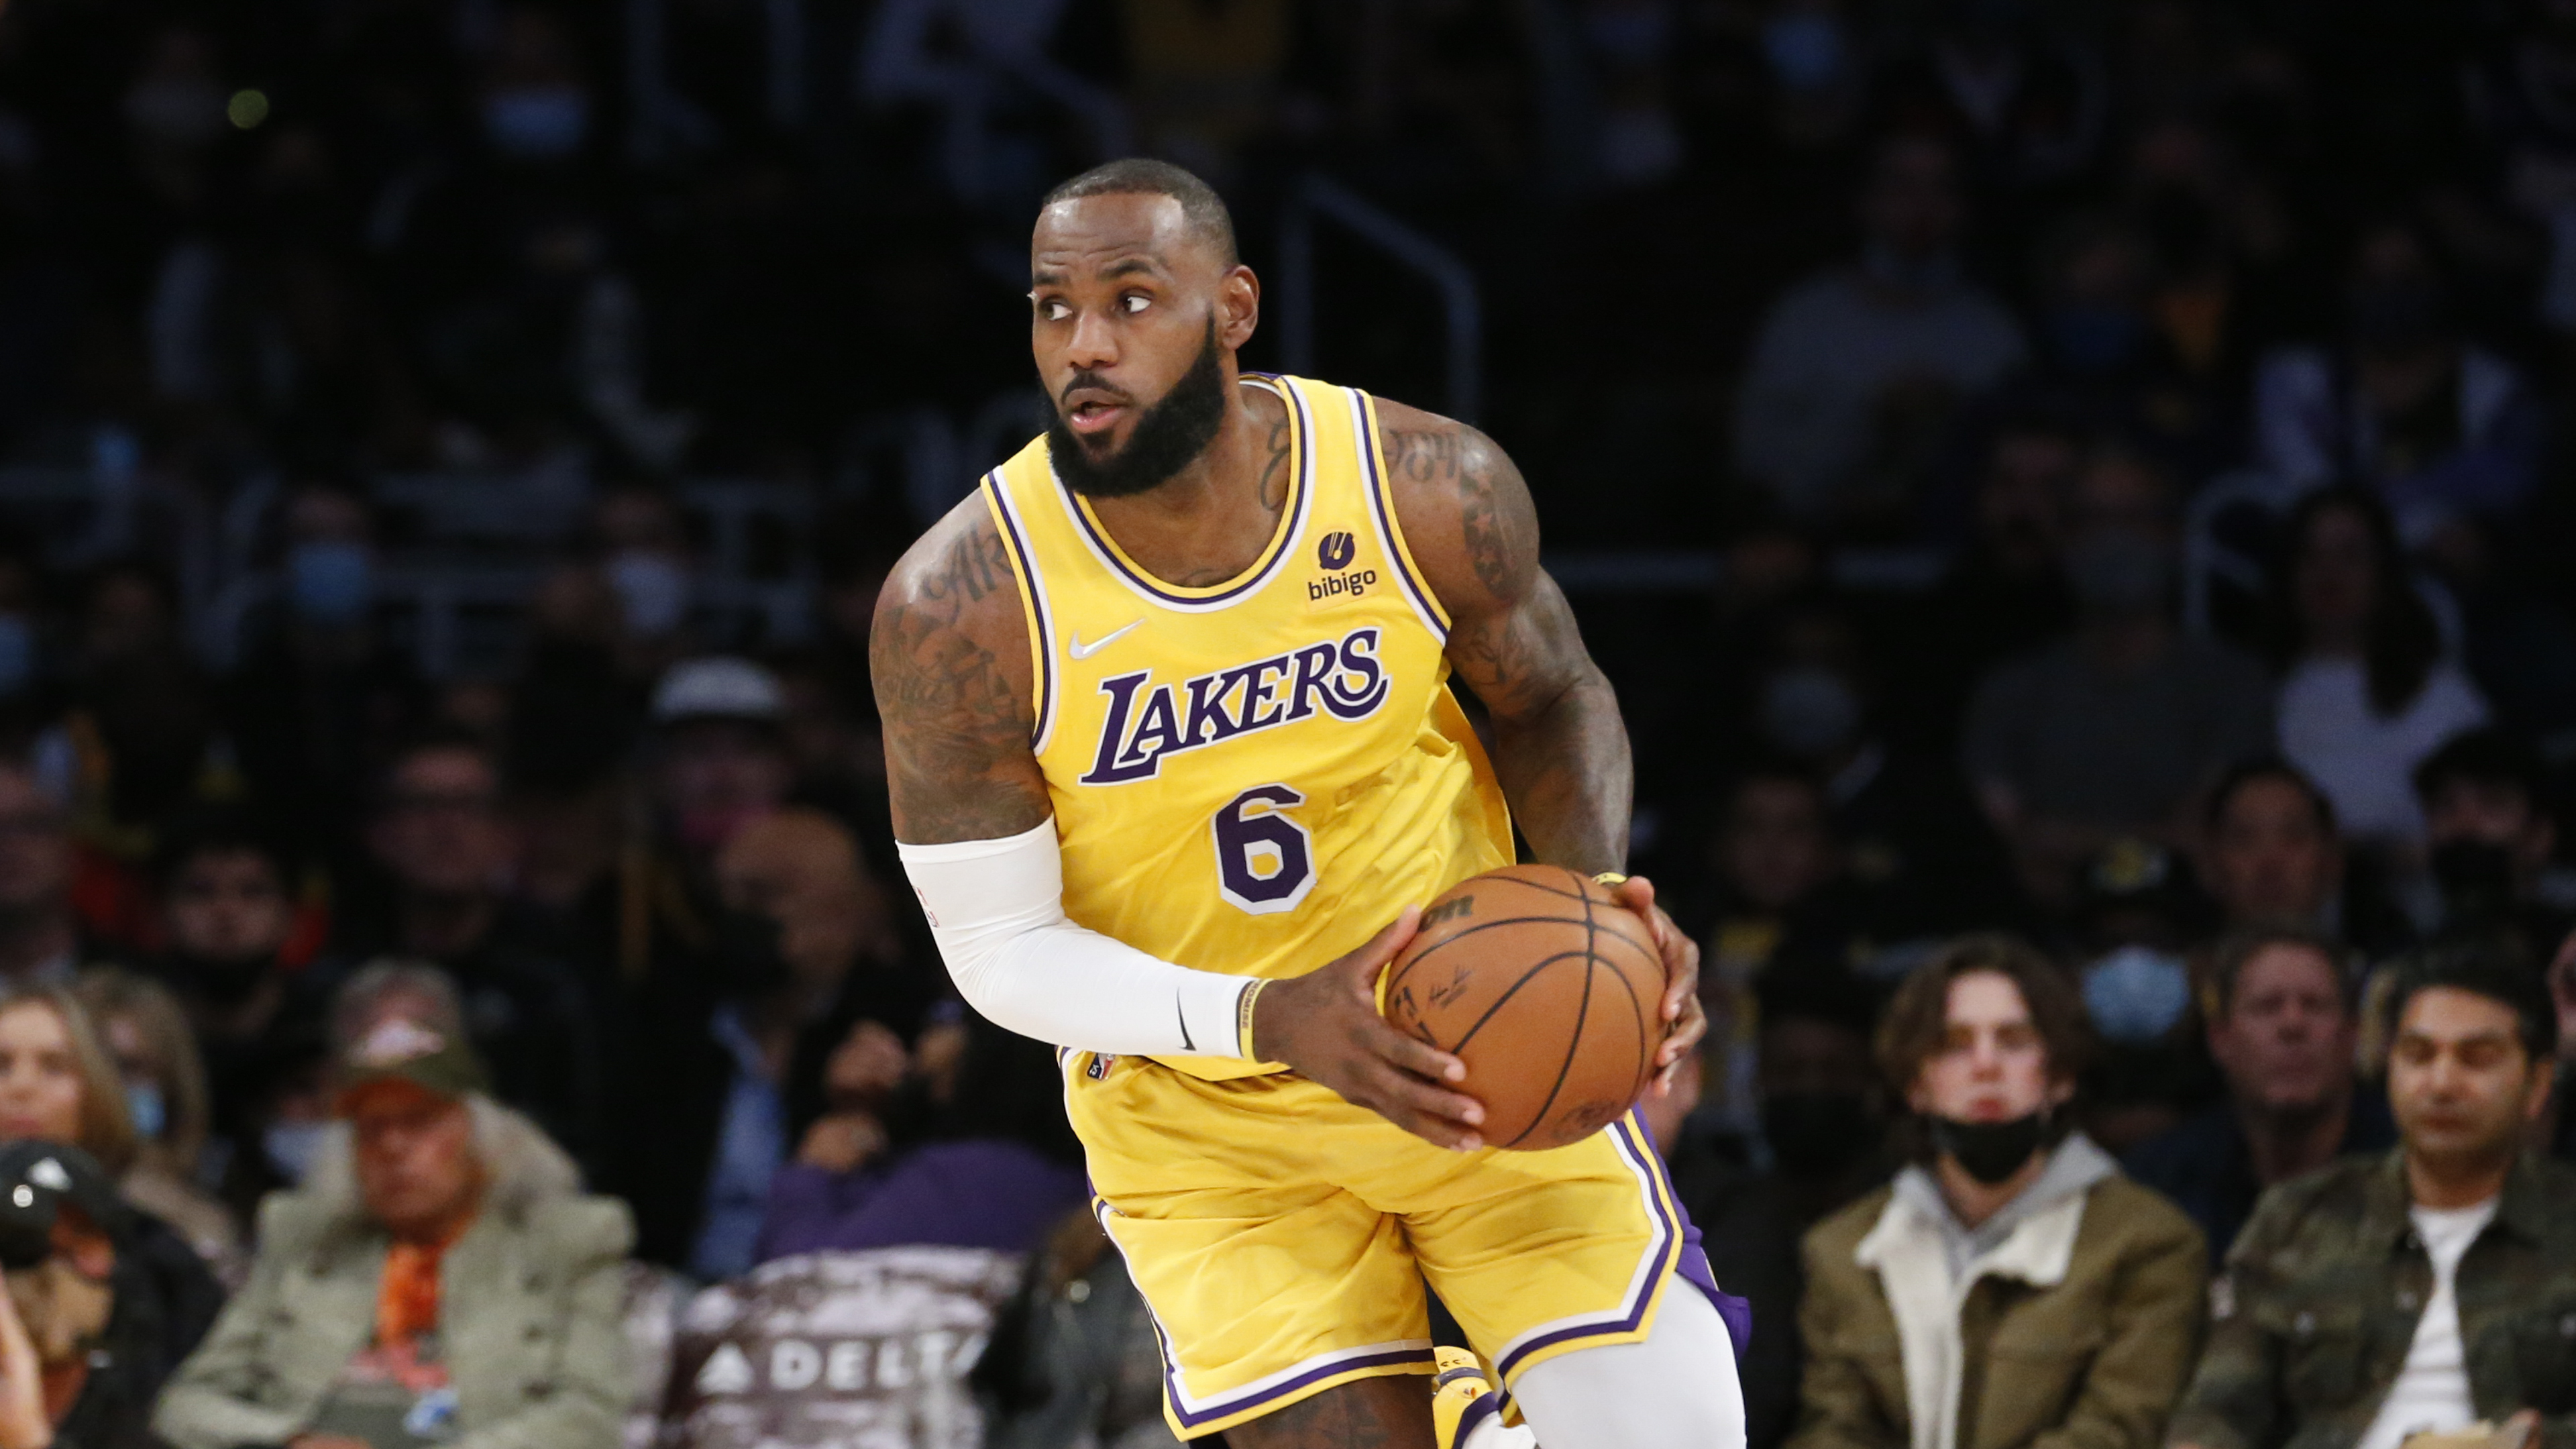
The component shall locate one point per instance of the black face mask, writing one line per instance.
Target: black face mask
(1169, 436)
(746, 956)
(1817, 1134)
(1990, 1151)
(222, 983)
(2476, 876)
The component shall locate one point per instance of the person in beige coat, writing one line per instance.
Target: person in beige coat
(439, 1280)
(2011, 1290)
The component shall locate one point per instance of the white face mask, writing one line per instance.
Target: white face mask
(652, 592)
(2135, 994)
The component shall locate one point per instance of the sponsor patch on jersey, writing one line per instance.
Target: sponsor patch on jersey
(1339, 679)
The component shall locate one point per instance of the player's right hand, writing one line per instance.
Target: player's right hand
(1325, 1025)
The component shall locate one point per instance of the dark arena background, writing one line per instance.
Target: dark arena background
(2098, 470)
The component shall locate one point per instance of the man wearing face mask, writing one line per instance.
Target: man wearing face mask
(1942, 1311)
(2489, 838)
(2117, 728)
(1824, 1125)
(319, 689)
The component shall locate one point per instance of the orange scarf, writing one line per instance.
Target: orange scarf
(407, 1300)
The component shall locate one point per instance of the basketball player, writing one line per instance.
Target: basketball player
(1174, 766)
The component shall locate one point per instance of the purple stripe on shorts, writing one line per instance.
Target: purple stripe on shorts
(1633, 1145)
(1225, 1408)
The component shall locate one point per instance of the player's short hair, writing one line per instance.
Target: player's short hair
(2237, 950)
(1918, 1015)
(1201, 208)
(2481, 969)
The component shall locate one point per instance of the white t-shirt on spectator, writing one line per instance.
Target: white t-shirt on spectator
(2365, 761)
(2432, 1390)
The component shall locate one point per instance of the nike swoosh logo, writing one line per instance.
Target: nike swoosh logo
(1080, 650)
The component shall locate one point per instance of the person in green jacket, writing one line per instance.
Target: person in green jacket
(2010, 1289)
(439, 1280)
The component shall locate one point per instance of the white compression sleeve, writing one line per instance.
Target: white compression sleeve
(996, 907)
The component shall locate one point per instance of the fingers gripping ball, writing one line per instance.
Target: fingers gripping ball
(1547, 989)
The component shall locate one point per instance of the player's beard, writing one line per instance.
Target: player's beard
(1168, 436)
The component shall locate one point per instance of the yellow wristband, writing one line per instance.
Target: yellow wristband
(1609, 879)
(1243, 1020)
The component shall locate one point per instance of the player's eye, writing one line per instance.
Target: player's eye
(1134, 303)
(1054, 310)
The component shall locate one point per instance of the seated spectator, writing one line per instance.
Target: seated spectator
(2454, 1245)
(2118, 727)
(2282, 1029)
(446, 850)
(440, 1278)
(2445, 431)
(997, 1167)
(229, 923)
(1784, 902)
(2557, 1134)
(2007, 592)
(719, 1080)
(1824, 1128)
(90, 1329)
(320, 690)
(1857, 368)
(40, 938)
(2134, 915)
(165, 1095)
(1900, 1323)
(2489, 837)
(2270, 854)
(2365, 692)
(1074, 1358)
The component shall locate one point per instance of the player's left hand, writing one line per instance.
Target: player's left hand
(1685, 1022)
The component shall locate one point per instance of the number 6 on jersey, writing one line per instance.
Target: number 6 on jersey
(1265, 861)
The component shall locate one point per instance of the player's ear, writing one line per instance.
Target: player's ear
(1238, 307)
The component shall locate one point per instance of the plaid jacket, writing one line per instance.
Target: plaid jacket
(2317, 1307)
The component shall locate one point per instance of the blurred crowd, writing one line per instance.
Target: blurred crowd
(2094, 469)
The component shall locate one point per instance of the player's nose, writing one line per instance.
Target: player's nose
(1094, 342)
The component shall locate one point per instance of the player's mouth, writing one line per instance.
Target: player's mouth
(1092, 417)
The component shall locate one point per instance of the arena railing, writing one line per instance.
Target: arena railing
(1461, 301)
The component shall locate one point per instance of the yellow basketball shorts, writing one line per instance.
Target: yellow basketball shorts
(1281, 1236)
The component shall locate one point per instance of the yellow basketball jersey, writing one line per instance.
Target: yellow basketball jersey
(1253, 777)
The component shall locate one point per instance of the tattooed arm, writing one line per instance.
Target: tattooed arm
(1559, 744)
(950, 657)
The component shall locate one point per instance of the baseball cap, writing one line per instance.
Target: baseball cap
(36, 1179)
(399, 1049)
(719, 687)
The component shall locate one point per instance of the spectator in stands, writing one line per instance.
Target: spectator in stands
(1824, 1127)
(147, 1037)
(1900, 1324)
(92, 1324)
(2118, 727)
(2454, 1245)
(228, 921)
(40, 939)
(2270, 854)
(320, 693)
(2007, 591)
(2557, 1134)
(2445, 431)
(718, 763)
(726, 1071)
(441, 1277)
(2282, 1028)
(997, 1166)
(446, 847)
(59, 1085)
(2490, 838)
(2366, 693)
(1785, 903)
(1859, 365)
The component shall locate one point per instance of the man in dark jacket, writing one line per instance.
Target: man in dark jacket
(2429, 1289)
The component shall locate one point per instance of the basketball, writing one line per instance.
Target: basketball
(1547, 989)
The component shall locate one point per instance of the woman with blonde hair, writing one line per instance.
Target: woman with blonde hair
(146, 1037)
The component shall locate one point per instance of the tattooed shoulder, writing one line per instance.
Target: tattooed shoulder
(948, 657)
(1465, 508)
